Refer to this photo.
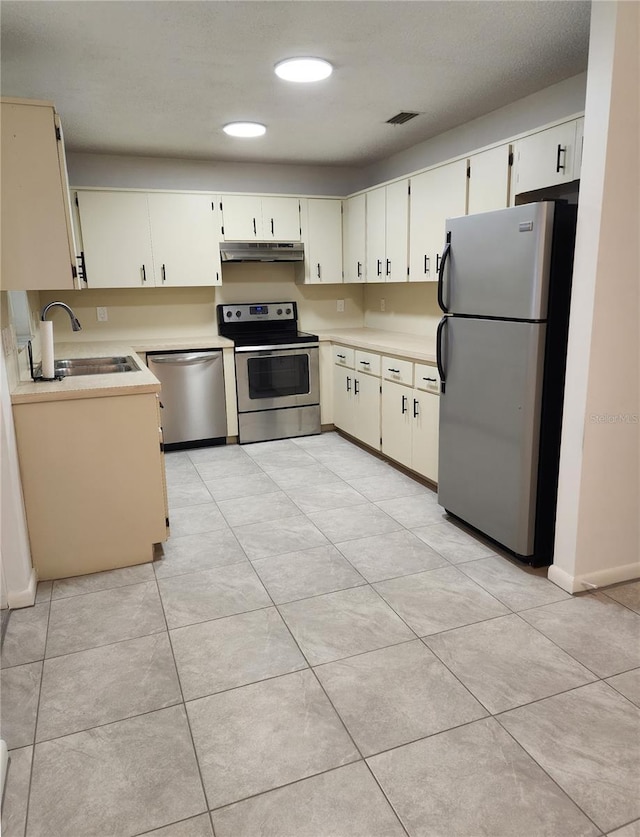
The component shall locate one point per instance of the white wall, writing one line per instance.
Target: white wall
(597, 537)
(411, 308)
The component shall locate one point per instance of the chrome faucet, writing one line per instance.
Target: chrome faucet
(75, 323)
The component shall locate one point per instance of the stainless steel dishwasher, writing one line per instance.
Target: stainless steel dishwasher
(192, 396)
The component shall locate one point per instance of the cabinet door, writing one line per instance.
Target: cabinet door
(435, 196)
(242, 218)
(424, 441)
(376, 234)
(353, 238)
(185, 240)
(324, 238)
(343, 398)
(577, 163)
(546, 158)
(366, 412)
(281, 219)
(397, 232)
(489, 180)
(116, 238)
(36, 238)
(396, 422)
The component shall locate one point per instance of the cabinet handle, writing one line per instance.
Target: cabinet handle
(561, 150)
(388, 267)
(379, 268)
(272, 232)
(430, 379)
(348, 384)
(359, 271)
(144, 274)
(426, 264)
(397, 371)
(416, 411)
(356, 389)
(319, 270)
(342, 357)
(255, 231)
(365, 363)
(164, 274)
(404, 404)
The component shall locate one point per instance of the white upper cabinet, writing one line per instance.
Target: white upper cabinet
(544, 159)
(436, 195)
(135, 239)
(354, 238)
(488, 174)
(387, 232)
(255, 218)
(322, 238)
(185, 239)
(38, 250)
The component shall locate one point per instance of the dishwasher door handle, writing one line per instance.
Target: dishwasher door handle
(182, 360)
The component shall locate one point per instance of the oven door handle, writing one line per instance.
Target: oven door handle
(276, 348)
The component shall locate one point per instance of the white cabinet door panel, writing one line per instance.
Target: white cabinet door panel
(546, 158)
(397, 231)
(376, 234)
(242, 217)
(324, 240)
(489, 180)
(396, 422)
(424, 443)
(366, 418)
(281, 219)
(354, 237)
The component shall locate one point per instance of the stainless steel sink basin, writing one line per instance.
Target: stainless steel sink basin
(93, 365)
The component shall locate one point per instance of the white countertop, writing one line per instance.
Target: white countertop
(398, 343)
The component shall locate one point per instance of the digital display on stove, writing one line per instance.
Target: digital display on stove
(258, 309)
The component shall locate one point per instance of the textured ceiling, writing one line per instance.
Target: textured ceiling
(160, 78)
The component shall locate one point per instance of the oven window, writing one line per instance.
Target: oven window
(278, 376)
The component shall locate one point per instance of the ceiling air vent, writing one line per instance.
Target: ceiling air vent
(401, 118)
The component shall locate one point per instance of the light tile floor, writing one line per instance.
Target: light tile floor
(319, 651)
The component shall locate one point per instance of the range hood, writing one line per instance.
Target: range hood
(261, 251)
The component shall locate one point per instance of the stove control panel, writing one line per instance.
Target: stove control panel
(258, 312)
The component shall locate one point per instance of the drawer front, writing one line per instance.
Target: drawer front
(367, 362)
(427, 378)
(400, 371)
(343, 356)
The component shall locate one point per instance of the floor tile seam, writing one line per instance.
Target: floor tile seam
(497, 596)
(107, 589)
(217, 618)
(547, 774)
(244, 560)
(619, 673)
(303, 667)
(326, 593)
(175, 822)
(555, 695)
(298, 513)
(468, 625)
(327, 509)
(364, 653)
(559, 647)
(622, 604)
(388, 799)
(357, 537)
(33, 751)
(102, 645)
(183, 702)
(173, 507)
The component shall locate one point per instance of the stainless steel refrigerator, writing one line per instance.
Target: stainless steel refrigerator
(504, 286)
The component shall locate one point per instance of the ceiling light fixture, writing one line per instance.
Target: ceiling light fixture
(244, 129)
(303, 69)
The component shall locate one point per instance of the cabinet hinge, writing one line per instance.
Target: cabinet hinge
(511, 158)
(380, 440)
(77, 204)
(58, 133)
(381, 394)
(220, 206)
(166, 522)
(222, 230)
(161, 447)
(408, 271)
(213, 208)
(468, 171)
(408, 188)
(74, 272)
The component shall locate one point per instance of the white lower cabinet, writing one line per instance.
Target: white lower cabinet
(356, 405)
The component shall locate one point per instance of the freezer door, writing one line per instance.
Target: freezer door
(490, 426)
(498, 263)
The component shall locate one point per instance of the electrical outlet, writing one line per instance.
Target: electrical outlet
(102, 315)
(383, 305)
(340, 306)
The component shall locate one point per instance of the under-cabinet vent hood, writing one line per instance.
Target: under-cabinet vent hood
(261, 251)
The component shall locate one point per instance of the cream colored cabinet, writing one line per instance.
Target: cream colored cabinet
(546, 158)
(38, 250)
(387, 233)
(139, 239)
(425, 409)
(321, 220)
(258, 218)
(92, 473)
(356, 399)
(396, 422)
(436, 195)
(354, 238)
(488, 174)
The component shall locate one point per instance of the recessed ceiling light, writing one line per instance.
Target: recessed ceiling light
(244, 129)
(303, 69)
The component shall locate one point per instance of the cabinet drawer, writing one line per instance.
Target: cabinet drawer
(367, 362)
(427, 378)
(343, 356)
(397, 370)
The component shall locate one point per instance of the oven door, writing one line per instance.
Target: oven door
(273, 378)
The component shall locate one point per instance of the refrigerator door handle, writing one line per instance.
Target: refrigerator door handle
(443, 261)
(439, 353)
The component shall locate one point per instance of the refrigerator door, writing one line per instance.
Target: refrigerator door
(498, 263)
(489, 426)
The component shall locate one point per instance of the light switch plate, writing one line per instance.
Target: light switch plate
(102, 315)
(340, 306)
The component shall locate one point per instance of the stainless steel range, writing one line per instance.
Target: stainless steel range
(277, 371)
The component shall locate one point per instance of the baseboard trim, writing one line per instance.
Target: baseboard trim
(595, 580)
(26, 597)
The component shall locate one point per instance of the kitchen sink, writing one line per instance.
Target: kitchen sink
(93, 366)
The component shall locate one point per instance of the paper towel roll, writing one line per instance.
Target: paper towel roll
(46, 348)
